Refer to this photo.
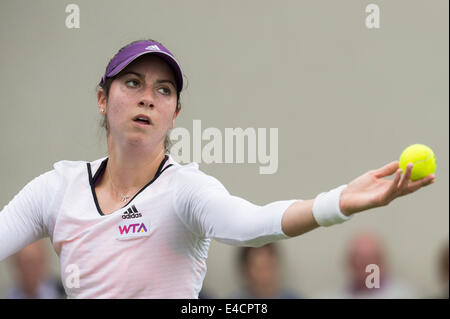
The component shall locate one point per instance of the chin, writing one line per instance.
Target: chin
(138, 141)
(143, 141)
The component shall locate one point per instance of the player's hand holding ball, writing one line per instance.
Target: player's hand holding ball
(370, 190)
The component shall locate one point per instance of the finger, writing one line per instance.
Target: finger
(406, 176)
(387, 169)
(415, 185)
(393, 191)
(393, 188)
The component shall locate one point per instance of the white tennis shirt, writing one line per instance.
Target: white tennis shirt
(154, 247)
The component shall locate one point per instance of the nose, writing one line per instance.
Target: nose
(146, 103)
(147, 98)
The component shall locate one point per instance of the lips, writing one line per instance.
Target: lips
(142, 119)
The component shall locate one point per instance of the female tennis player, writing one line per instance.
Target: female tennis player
(137, 224)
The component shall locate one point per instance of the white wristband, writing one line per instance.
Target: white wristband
(326, 210)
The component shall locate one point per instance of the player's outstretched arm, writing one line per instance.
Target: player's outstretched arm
(367, 191)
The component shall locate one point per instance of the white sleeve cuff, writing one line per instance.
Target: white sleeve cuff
(326, 210)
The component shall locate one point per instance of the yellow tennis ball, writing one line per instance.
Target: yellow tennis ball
(423, 159)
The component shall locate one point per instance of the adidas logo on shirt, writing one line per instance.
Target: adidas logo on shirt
(132, 229)
(131, 212)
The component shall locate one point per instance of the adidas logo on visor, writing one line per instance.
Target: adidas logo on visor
(153, 47)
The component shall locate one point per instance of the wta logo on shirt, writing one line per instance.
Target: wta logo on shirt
(125, 229)
(132, 229)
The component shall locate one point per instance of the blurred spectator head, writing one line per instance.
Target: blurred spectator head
(365, 249)
(369, 276)
(260, 269)
(30, 267)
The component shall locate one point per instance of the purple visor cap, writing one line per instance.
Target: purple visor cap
(135, 50)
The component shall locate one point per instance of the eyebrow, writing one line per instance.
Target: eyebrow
(166, 81)
(142, 77)
(132, 72)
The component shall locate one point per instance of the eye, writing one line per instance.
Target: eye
(132, 83)
(164, 90)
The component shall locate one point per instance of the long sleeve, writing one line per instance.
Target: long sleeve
(207, 209)
(22, 220)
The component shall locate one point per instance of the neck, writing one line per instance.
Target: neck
(31, 290)
(360, 286)
(130, 169)
(264, 291)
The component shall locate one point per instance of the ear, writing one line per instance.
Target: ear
(101, 100)
(177, 110)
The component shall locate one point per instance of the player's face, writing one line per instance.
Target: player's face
(145, 87)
